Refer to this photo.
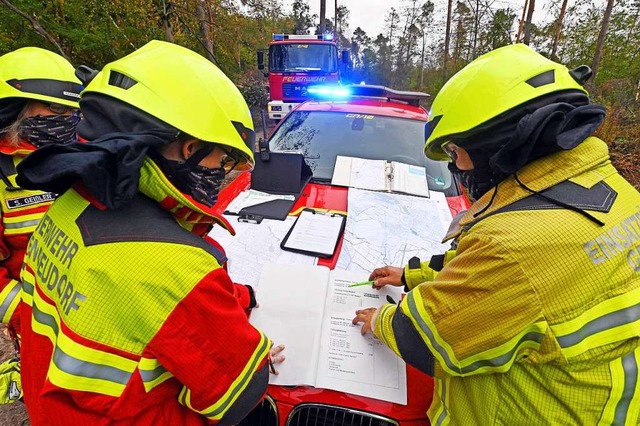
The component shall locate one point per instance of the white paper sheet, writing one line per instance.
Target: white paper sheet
(315, 232)
(409, 179)
(348, 361)
(290, 313)
(310, 309)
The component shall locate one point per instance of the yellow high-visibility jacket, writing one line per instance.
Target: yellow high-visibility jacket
(536, 319)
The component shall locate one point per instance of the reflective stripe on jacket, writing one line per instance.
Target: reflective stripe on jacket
(20, 211)
(129, 319)
(536, 319)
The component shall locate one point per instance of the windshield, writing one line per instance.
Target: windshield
(321, 136)
(303, 58)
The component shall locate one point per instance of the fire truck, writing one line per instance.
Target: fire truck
(296, 62)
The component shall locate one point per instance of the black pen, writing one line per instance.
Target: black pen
(272, 368)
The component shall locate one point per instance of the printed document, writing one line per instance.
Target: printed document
(380, 175)
(315, 233)
(309, 309)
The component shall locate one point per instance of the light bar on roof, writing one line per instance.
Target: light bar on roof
(329, 92)
(281, 37)
(366, 90)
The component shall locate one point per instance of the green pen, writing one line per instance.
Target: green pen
(361, 284)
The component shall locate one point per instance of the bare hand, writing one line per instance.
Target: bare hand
(364, 316)
(275, 357)
(387, 275)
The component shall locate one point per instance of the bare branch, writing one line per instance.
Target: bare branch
(33, 20)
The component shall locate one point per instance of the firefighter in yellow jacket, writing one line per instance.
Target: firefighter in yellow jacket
(533, 317)
(39, 95)
(128, 316)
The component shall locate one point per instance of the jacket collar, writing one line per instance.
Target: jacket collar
(540, 175)
(190, 214)
(23, 148)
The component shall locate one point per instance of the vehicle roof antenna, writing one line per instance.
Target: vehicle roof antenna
(263, 145)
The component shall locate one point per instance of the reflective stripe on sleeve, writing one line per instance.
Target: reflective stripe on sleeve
(623, 405)
(9, 299)
(218, 409)
(152, 373)
(442, 415)
(613, 320)
(27, 286)
(24, 226)
(498, 359)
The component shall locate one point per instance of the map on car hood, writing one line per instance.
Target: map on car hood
(255, 245)
(389, 229)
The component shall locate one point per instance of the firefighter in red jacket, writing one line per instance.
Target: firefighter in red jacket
(39, 96)
(128, 316)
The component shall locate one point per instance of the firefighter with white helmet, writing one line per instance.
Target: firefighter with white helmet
(532, 317)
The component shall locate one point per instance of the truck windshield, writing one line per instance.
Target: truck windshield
(322, 136)
(299, 57)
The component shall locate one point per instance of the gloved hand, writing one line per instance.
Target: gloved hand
(10, 384)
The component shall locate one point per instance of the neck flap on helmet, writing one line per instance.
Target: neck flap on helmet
(499, 149)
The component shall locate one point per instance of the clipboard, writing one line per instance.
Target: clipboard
(315, 233)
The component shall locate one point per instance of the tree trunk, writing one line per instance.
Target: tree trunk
(166, 24)
(527, 25)
(447, 40)
(475, 28)
(422, 61)
(556, 38)
(323, 11)
(638, 107)
(600, 43)
(521, 26)
(36, 27)
(336, 25)
(204, 31)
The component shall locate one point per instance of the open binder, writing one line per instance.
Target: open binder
(380, 175)
(315, 233)
(283, 173)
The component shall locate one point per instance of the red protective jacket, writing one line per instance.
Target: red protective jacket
(21, 210)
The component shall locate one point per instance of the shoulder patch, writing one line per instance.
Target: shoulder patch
(140, 220)
(598, 198)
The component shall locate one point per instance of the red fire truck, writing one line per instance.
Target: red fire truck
(296, 62)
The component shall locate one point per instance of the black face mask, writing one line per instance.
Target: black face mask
(478, 181)
(202, 183)
(44, 130)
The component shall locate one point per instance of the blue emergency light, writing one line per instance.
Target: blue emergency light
(327, 36)
(329, 92)
(278, 37)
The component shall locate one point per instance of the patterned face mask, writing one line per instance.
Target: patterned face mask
(202, 183)
(44, 130)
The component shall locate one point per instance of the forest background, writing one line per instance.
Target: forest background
(421, 46)
(408, 55)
